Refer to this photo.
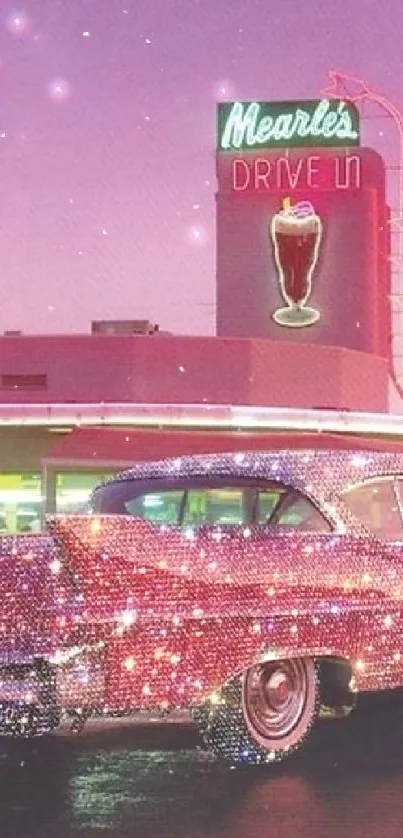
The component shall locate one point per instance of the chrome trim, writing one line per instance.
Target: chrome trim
(108, 722)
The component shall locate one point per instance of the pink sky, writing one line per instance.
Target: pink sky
(107, 130)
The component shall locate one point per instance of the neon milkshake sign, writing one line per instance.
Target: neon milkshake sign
(296, 233)
(254, 125)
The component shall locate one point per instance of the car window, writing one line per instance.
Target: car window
(295, 511)
(267, 501)
(298, 513)
(374, 504)
(214, 506)
(289, 509)
(161, 507)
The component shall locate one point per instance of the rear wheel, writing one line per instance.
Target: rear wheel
(263, 716)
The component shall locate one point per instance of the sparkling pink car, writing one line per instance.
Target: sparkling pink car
(258, 590)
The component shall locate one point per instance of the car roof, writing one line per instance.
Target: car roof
(320, 464)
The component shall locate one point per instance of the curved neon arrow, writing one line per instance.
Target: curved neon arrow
(356, 90)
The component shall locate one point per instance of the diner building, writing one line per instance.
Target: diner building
(77, 408)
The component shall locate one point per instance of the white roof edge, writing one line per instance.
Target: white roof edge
(192, 416)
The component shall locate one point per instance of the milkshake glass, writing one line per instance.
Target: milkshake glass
(296, 233)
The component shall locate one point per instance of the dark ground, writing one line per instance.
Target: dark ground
(154, 782)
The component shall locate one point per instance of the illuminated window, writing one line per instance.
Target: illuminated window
(20, 503)
(214, 506)
(161, 507)
(374, 504)
(73, 490)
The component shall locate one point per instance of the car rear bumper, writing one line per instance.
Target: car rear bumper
(65, 694)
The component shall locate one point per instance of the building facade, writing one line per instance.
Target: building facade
(57, 394)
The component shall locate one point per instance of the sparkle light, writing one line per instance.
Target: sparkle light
(128, 618)
(59, 90)
(55, 566)
(197, 235)
(223, 91)
(18, 22)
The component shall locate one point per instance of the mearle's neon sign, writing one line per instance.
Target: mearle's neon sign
(278, 173)
(254, 125)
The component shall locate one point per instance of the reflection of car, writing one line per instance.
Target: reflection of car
(260, 590)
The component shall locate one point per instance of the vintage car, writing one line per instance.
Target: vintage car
(260, 590)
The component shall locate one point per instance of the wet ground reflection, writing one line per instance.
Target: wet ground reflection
(348, 780)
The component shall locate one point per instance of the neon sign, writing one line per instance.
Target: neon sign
(356, 90)
(296, 233)
(277, 173)
(312, 123)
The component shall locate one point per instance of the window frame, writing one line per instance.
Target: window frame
(256, 505)
(124, 490)
(142, 487)
(397, 479)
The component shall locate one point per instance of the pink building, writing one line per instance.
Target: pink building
(193, 370)
(53, 387)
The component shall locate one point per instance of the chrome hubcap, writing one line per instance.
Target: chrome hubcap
(274, 698)
(278, 690)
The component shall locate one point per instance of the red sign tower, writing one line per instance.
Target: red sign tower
(302, 227)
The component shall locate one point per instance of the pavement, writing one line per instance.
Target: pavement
(154, 781)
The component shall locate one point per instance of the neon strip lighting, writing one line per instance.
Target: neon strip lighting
(199, 416)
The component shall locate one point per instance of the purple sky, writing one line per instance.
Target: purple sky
(107, 128)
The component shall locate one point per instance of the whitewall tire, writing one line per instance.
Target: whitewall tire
(263, 716)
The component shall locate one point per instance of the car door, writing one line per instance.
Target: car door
(302, 560)
(288, 528)
(376, 504)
